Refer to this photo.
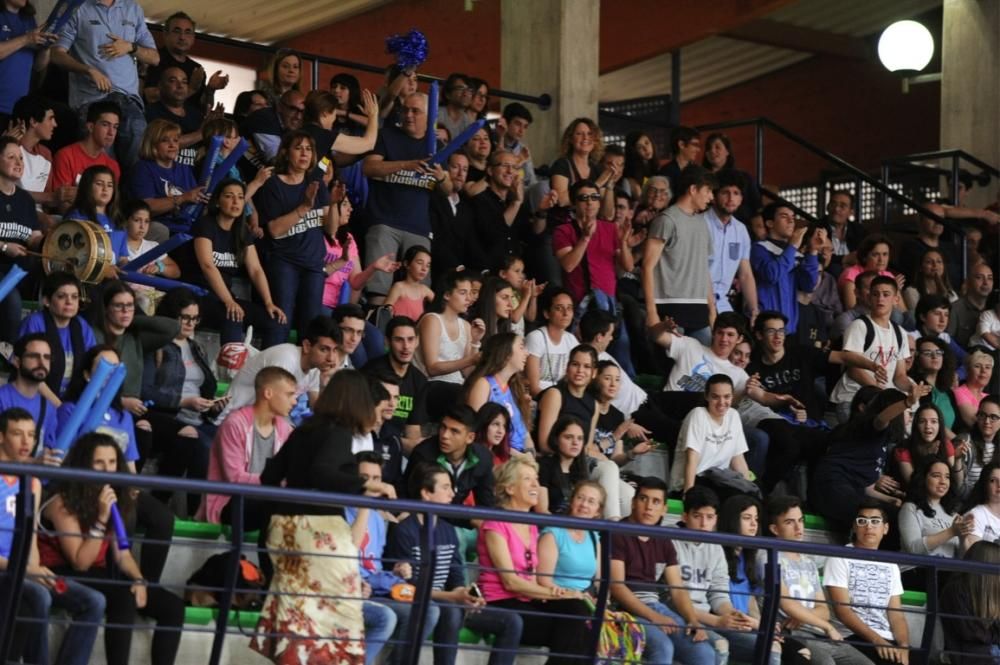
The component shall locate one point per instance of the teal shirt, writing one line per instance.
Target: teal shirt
(577, 563)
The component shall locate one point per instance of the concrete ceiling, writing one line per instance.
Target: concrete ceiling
(787, 36)
(261, 21)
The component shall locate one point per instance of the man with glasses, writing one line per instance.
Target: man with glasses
(31, 358)
(867, 595)
(401, 179)
(265, 127)
(502, 219)
(802, 608)
(730, 245)
(178, 39)
(458, 97)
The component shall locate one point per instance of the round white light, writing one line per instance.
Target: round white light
(905, 45)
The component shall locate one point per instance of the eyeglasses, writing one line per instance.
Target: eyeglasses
(188, 318)
(868, 521)
(461, 89)
(991, 417)
(481, 95)
(775, 332)
(529, 559)
(583, 198)
(932, 353)
(659, 191)
(123, 306)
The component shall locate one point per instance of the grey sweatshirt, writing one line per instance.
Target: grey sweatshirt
(914, 526)
(705, 574)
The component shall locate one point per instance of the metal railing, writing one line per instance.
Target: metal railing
(24, 519)
(542, 101)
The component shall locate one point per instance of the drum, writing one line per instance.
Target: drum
(81, 247)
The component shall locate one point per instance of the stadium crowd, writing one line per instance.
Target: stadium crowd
(470, 332)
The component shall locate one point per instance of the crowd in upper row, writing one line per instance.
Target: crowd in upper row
(809, 360)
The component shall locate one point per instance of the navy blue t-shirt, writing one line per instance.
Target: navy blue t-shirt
(149, 180)
(15, 69)
(303, 244)
(223, 248)
(191, 121)
(402, 199)
(18, 220)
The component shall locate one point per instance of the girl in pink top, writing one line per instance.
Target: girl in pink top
(508, 555)
(873, 254)
(407, 296)
(979, 371)
(343, 265)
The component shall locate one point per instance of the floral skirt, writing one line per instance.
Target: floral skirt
(313, 613)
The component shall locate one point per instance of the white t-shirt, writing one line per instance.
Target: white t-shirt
(286, 356)
(630, 396)
(552, 358)
(987, 524)
(988, 323)
(716, 443)
(695, 363)
(870, 585)
(884, 350)
(36, 172)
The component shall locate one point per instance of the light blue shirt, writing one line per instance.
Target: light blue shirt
(731, 244)
(87, 31)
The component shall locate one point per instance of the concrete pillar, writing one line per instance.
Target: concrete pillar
(970, 85)
(551, 46)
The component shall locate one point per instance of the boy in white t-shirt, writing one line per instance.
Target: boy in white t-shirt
(878, 339)
(711, 437)
(867, 595)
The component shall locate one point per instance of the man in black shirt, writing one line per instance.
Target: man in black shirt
(409, 414)
(792, 369)
(178, 40)
(470, 464)
(502, 219)
(175, 107)
(453, 223)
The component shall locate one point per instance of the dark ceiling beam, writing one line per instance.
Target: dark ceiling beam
(785, 35)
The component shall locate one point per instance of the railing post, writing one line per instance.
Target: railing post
(759, 150)
(229, 583)
(603, 587)
(675, 89)
(315, 74)
(954, 180)
(769, 612)
(24, 520)
(930, 619)
(418, 614)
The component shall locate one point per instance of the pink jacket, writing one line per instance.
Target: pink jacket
(229, 459)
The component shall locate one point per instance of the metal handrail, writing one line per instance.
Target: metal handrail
(942, 154)
(543, 101)
(24, 526)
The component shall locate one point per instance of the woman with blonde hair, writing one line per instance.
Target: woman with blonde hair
(582, 148)
(165, 184)
(509, 557)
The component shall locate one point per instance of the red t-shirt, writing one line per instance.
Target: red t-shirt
(903, 455)
(600, 254)
(71, 161)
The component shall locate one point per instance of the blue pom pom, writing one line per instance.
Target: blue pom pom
(410, 49)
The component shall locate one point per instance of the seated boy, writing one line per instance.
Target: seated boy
(247, 438)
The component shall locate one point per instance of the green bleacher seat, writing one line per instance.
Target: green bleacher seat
(651, 383)
(202, 616)
(207, 531)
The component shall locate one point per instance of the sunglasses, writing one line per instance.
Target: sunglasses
(868, 521)
(582, 198)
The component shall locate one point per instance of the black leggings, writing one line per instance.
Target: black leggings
(179, 455)
(789, 446)
(166, 608)
(545, 626)
(158, 523)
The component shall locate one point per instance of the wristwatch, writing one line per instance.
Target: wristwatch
(135, 47)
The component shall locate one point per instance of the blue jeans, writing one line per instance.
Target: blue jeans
(298, 292)
(402, 611)
(380, 622)
(504, 626)
(10, 314)
(742, 645)
(758, 442)
(86, 609)
(703, 335)
(686, 650)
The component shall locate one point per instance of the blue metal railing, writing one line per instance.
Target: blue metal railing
(24, 520)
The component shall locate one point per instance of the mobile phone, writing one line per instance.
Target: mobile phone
(474, 590)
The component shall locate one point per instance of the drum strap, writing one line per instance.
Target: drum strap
(58, 367)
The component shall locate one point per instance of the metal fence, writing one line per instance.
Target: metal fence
(11, 587)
